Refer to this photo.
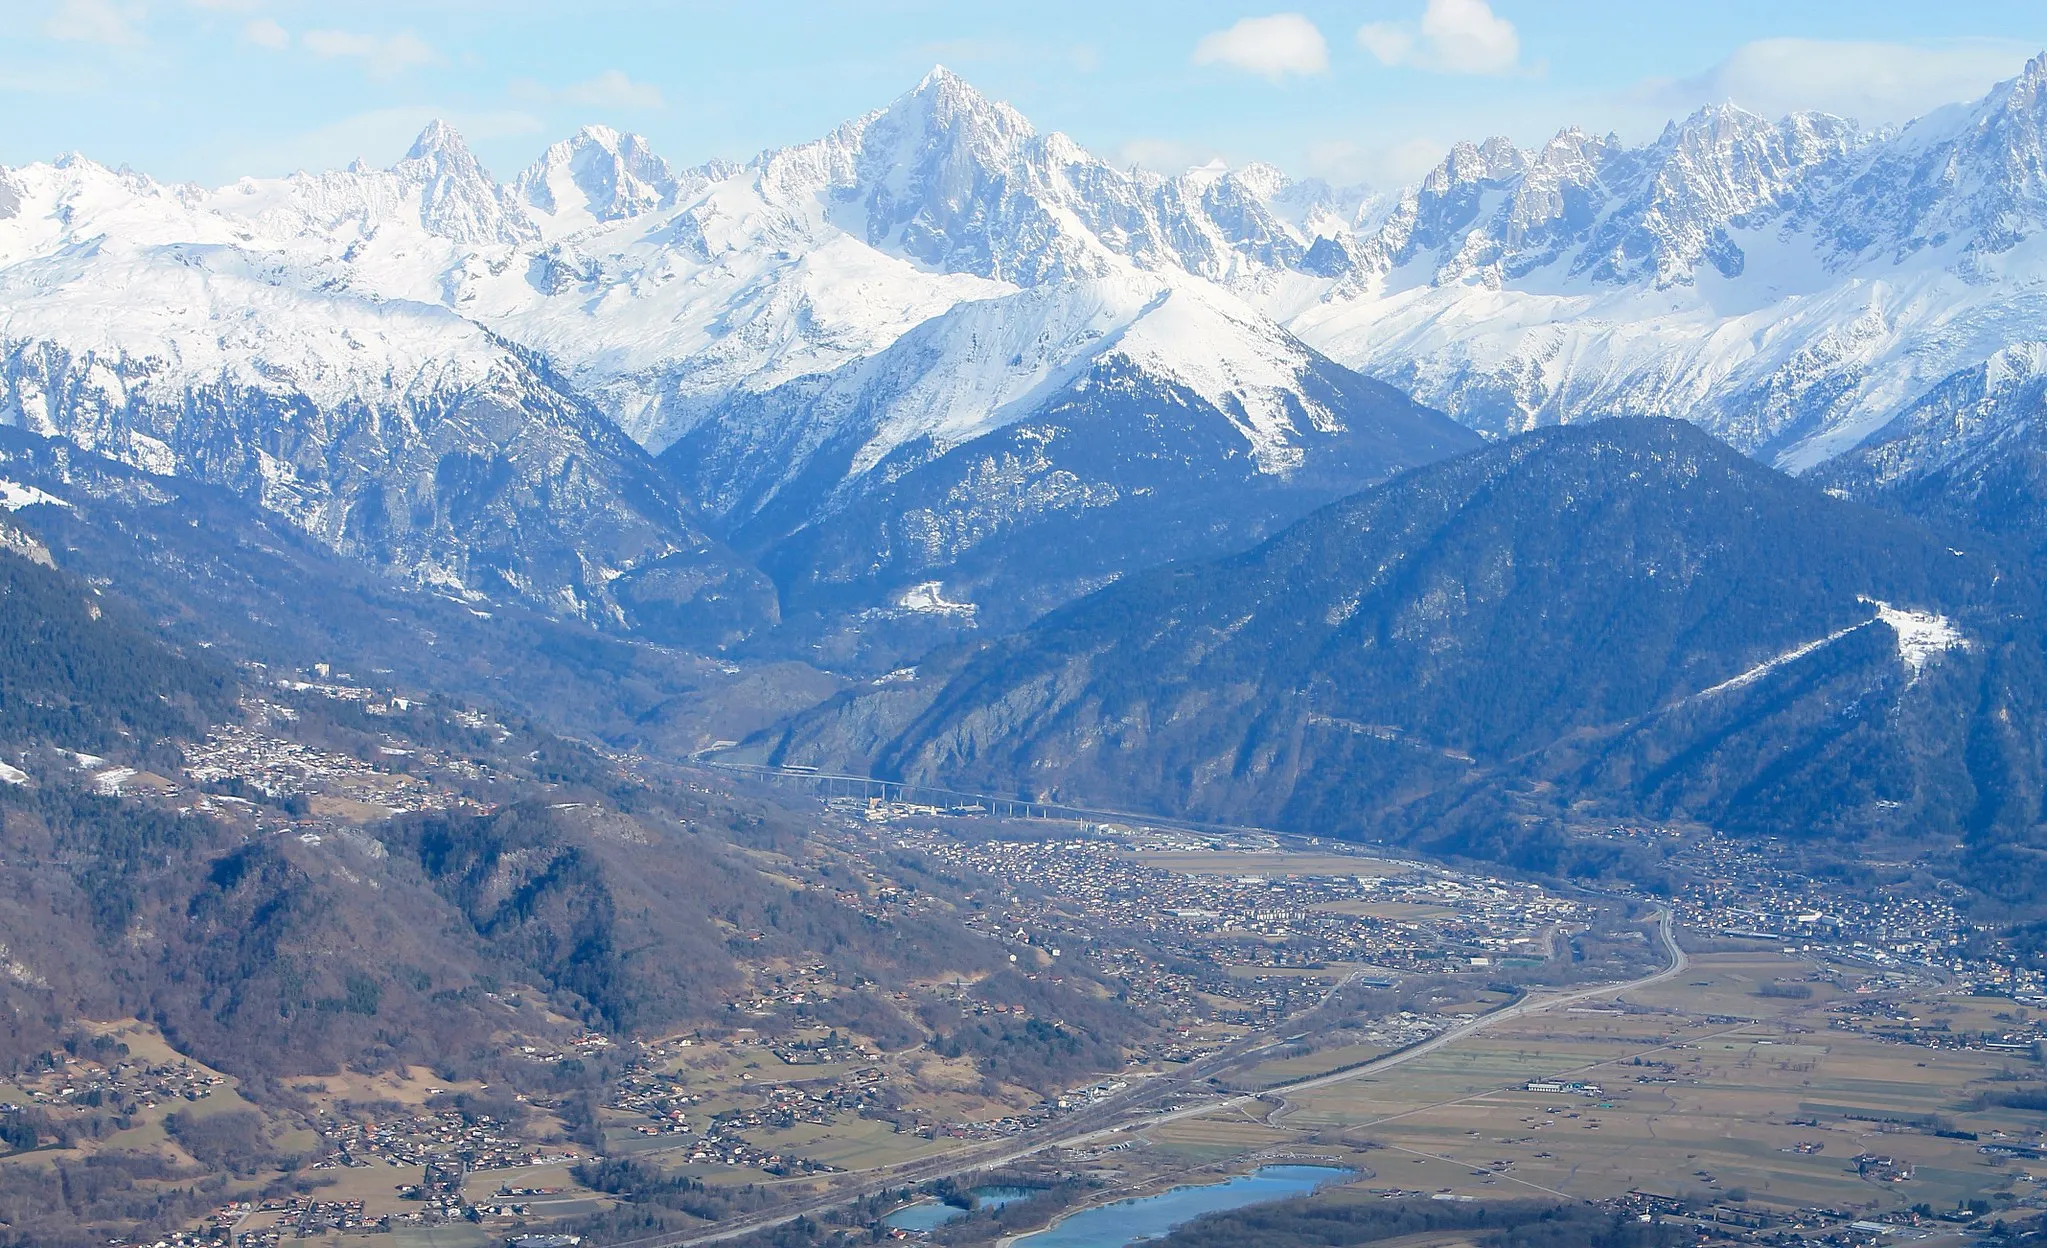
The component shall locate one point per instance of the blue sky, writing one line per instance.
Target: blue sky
(1373, 89)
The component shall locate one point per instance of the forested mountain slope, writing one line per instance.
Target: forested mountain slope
(1628, 613)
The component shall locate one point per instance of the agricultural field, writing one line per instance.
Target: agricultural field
(1751, 1077)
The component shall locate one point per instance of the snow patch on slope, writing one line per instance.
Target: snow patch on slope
(928, 598)
(1244, 364)
(14, 496)
(1923, 636)
(1764, 668)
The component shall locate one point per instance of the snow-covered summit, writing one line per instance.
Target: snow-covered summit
(458, 200)
(1973, 176)
(1790, 285)
(932, 272)
(599, 175)
(987, 363)
(292, 341)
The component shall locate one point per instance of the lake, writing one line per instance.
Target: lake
(931, 1214)
(1128, 1221)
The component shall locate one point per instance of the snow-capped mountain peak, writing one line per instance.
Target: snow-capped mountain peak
(598, 175)
(952, 181)
(1264, 181)
(988, 362)
(915, 178)
(459, 201)
(440, 141)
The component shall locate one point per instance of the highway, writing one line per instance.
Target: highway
(1114, 1117)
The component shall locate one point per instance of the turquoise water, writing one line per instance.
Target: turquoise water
(931, 1214)
(926, 1215)
(1128, 1221)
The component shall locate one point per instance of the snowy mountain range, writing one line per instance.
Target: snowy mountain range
(936, 360)
(1790, 285)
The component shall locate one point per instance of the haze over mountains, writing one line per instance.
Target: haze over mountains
(937, 365)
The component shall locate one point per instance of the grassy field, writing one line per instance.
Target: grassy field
(1696, 1099)
(1269, 1074)
(852, 1144)
(147, 1045)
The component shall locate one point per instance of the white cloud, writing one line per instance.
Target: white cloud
(1392, 43)
(1167, 156)
(382, 56)
(1031, 54)
(1346, 163)
(1453, 37)
(94, 21)
(380, 137)
(1275, 46)
(610, 89)
(1874, 83)
(265, 33)
(49, 80)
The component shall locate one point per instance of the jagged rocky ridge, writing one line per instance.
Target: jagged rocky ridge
(1790, 285)
(761, 312)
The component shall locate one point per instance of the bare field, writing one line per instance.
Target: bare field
(1204, 1140)
(349, 809)
(1715, 1092)
(376, 1186)
(1269, 1074)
